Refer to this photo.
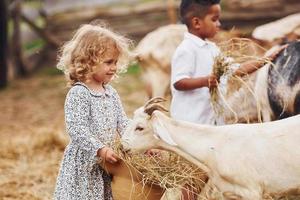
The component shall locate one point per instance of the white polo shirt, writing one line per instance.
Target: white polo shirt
(193, 58)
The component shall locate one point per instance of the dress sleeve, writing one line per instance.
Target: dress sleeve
(77, 112)
(123, 121)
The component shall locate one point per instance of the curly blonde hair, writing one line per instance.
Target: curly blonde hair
(79, 56)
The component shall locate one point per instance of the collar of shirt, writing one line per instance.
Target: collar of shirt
(198, 41)
(107, 90)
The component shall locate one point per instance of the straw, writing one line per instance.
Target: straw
(233, 52)
(166, 169)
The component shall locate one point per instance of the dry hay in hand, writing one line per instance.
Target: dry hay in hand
(166, 169)
(233, 52)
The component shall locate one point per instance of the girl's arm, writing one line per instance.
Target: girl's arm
(77, 111)
(123, 120)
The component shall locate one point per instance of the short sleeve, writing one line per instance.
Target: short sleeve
(77, 112)
(183, 65)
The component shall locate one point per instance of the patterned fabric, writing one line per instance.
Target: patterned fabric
(92, 121)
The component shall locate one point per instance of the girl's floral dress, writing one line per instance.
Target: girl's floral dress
(92, 121)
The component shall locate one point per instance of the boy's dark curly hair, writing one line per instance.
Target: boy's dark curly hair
(195, 8)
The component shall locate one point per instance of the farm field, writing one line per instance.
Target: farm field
(32, 135)
(32, 129)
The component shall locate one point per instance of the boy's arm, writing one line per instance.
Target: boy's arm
(183, 66)
(251, 66)
(194, 83)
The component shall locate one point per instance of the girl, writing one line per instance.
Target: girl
(93, 111)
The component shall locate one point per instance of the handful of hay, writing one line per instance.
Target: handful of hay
(233, 52)
(166, 169)
(223, 66)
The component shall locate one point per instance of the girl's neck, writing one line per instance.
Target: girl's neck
(95, 86)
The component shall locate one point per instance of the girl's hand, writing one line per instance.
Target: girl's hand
(212, 81)
(108, 155)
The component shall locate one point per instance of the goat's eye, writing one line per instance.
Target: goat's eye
(138, 128)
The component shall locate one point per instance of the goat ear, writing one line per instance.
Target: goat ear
(161, 131)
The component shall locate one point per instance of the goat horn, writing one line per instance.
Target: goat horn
(151, 108)
(154, 100)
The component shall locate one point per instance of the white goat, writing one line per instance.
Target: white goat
(247, 160)
(155, 52)
(288, 26)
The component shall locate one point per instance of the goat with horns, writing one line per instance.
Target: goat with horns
(247, 160)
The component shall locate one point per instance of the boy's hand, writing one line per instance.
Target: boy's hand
(108, 155)
(274, 54)
(212, 81)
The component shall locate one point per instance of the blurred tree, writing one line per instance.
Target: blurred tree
(17, 54)
(3, 43)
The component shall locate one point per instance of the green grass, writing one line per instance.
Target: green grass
(134, 69)
(39, 21)
(34, 45)
(49, 71)
(34, 3)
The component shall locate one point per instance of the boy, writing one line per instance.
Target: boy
(192, 63)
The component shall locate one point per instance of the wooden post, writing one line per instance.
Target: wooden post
(52, 40)
(16, 40)
(172, 11)
(3, 43)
